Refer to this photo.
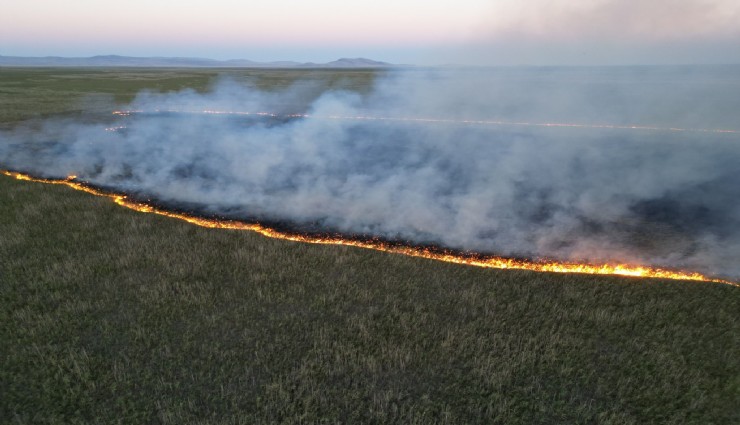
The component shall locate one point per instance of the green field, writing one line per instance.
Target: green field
(112, 316)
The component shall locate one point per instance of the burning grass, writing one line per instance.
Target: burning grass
(432, 253)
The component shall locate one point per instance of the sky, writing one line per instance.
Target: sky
(422, 32)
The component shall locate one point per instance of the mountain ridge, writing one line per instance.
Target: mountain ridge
(187, 62)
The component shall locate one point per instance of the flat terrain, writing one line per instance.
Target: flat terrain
(112, 316)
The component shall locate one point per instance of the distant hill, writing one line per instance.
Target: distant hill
(128, 61)
(351, 63)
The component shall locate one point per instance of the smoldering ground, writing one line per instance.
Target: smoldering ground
(645, 196)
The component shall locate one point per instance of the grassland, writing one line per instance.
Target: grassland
(113, 316)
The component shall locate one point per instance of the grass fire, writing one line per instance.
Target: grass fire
(470, 259)
(538, 245)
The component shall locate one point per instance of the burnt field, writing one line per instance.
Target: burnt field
(113, 316)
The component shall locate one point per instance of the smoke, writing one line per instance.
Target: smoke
(601, 32)
(647, 20)
(651, 197)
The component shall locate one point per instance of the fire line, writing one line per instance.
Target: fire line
(494, 262)
(126, 113)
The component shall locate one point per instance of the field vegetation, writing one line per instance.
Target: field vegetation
(112, 316)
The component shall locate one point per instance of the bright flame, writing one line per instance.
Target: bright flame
(449, 257)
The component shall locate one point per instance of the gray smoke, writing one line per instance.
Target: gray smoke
(666, 198)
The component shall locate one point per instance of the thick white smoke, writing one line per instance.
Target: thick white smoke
(669, 198)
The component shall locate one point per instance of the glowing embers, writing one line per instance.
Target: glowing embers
(429, 120)
(439, 255)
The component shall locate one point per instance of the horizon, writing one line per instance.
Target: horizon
(193, 58)
(467, 32)
(295, 63)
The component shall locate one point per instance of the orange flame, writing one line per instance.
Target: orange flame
(449, 257)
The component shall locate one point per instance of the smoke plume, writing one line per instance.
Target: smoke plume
(665, 195)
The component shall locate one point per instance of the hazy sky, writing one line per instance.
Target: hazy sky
(495, 32)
